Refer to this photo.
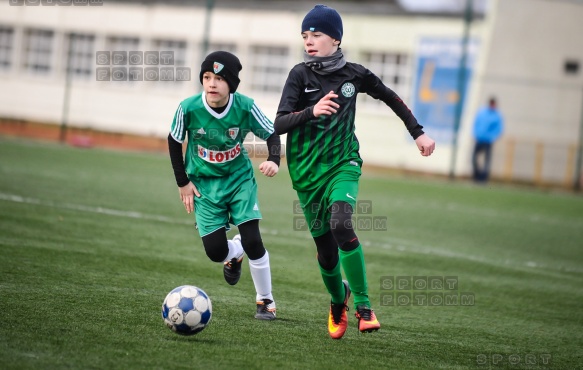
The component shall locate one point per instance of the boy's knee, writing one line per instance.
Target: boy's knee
(328, 261)
(216, 252)
(216, 246)
(327, 251)
(251, 239)
(341, 226)
(253, 246)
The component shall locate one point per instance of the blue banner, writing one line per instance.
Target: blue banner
(436, 94)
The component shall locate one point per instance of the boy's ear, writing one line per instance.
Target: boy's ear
(336, 42)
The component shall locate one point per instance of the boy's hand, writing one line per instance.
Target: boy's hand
(425, 144)
(326, 105)
(269, 168)
(187, 194)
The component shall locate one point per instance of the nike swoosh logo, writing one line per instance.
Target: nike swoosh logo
(332, 327)
(349, 196)
(375, 322)
(310, 90)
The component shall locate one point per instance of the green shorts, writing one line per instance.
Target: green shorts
(224, 200)
(342, 186)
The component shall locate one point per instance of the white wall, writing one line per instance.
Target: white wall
(523, 46)
(529, 43)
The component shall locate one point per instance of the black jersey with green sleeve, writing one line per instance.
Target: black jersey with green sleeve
(215, 140)
(317, 147)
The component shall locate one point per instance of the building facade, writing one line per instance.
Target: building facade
(125, 66)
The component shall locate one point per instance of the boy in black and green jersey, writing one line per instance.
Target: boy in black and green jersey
(215, 179)
(317, 111)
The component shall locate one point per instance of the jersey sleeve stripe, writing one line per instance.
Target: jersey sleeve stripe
(178, 131)
(263, 121)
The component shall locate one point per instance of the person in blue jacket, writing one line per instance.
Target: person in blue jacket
(488, 127)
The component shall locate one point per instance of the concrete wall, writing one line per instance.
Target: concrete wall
(523, 47)
(524, 67)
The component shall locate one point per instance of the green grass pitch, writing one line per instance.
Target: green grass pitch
(91, 241)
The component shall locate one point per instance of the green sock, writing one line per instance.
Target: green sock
(355, 270)
(333, 282)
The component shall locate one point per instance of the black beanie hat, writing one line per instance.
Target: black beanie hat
(323, 19)
(224, 64)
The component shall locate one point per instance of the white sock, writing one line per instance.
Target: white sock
(235, 250)
(261, 274)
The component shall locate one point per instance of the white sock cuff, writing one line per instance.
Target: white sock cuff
(260, 297)
(235, 250)
(260, 263)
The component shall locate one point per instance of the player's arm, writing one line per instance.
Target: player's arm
(285, 121)
(271, 166)
(175, 151)
(425, 144)
(262, 127)
(186, 189)
(289, 114)
(274, 148)
(374, 87)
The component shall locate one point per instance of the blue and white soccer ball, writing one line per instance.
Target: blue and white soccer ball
(187, 310)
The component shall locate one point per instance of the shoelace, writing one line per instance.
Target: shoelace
(266, 302)
(230, 262)
(364, 313)
(337, 312)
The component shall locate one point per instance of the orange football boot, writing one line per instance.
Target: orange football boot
(367, 320)
(337, 318)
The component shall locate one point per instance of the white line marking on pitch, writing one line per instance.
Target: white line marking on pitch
(394, 243)
(100, 210)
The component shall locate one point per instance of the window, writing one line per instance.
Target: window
(37, 47)
(178, 47)
(115, 63)
(79, 54)
(119, 47)
(119, 43)
(269, 68)
(393, 69)
(6, 46)
(171, 62)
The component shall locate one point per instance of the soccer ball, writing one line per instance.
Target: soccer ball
(187, 310)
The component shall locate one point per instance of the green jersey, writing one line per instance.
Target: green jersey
(215, 140)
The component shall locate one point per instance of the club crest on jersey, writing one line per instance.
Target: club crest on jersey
(348, 89)
(219, 156)
(217, 67)
(233, 131)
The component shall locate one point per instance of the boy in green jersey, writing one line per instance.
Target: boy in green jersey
(215, 178)
(317, 111)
